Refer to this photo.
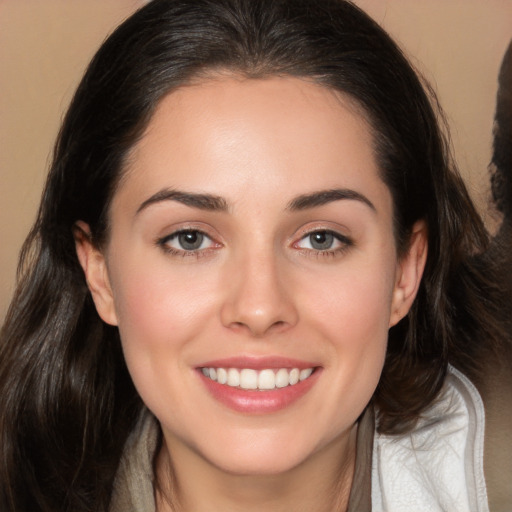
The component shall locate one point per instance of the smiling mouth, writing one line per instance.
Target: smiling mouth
(254, 380)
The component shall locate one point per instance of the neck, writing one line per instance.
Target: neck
(321, 483)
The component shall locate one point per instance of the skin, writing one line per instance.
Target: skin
(256, 286)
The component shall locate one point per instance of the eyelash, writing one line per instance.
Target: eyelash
(163, 243)
(346, 244)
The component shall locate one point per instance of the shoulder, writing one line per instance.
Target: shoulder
(439, 465)
(133, 484)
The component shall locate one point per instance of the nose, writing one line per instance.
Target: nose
(258, 297)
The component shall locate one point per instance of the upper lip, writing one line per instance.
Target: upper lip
(258, 363)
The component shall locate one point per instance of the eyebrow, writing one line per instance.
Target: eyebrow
(306, 201)
(202, 201)
(211, 202)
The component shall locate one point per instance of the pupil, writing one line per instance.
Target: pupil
(191, 240)
(321, 240)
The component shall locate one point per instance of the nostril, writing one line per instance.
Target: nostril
(258, 330)
(278, 324)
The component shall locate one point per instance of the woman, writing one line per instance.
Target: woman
(251, 270)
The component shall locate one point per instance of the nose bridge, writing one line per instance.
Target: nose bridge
(257, 295)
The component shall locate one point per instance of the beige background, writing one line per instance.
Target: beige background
(45, 45)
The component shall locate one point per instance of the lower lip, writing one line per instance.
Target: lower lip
(259, 402)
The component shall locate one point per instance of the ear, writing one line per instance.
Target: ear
(409, 273)
(94, 266)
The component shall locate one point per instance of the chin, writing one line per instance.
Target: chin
(260, 453)
(257, 464)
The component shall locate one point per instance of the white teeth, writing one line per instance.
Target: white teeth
(266, 379)
(233, 378)
(247, 378)
(222, 376)
(294, 376)
(304, 374)
(282, 378)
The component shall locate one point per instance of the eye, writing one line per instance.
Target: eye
(189, 240)
(324, 240)
(320, 240)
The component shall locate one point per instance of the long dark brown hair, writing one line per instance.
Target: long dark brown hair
(67, 402)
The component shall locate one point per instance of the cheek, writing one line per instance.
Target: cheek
(354, 307)
(160, 310)
(353, 317)
(160, 314)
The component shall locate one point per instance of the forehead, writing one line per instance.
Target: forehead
(276, 136)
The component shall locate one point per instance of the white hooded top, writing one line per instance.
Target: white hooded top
(438, 467)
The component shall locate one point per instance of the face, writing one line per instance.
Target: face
(252, 271)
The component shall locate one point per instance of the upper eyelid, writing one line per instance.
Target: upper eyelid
(175, 234)
(186, 230)
(171, 231)
(318, 229)
(323, 230)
